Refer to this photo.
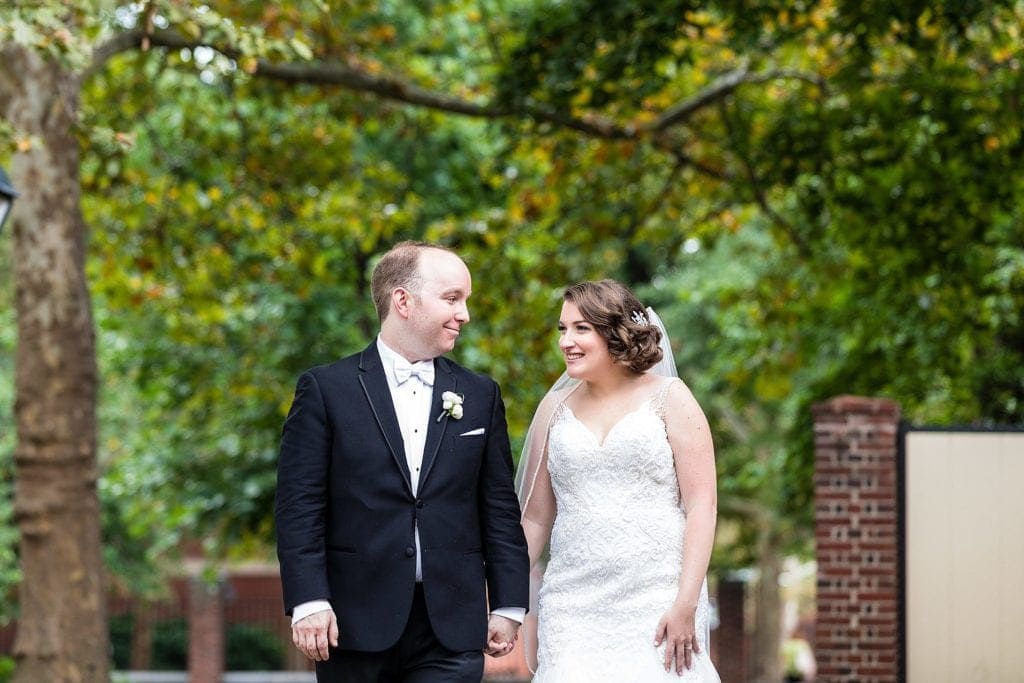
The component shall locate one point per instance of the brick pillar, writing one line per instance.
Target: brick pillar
(729, 640)
(855, 486)
(205, 631)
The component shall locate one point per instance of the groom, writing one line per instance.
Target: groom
(402, 558)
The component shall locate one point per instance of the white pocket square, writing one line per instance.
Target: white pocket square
(473, 432)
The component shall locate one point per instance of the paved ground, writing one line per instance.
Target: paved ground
(249, 677)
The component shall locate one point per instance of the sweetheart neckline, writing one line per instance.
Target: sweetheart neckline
(601, 442)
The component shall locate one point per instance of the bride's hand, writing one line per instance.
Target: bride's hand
(677, 630)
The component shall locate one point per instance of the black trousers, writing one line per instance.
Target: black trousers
(417, 657)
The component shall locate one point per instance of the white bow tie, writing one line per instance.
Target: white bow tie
(422, 370)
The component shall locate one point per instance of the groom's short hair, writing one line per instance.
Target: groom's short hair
(399, 267)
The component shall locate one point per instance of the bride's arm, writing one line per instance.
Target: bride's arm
(694, 454)
(534, 482)
(537, 499)
(539, 513)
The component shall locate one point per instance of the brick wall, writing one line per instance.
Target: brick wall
(253, 595)
(855, 483)
(205, 631)
(729, 640)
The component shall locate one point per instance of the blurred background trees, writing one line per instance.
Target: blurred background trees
(819, 197)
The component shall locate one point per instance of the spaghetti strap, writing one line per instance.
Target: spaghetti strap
(661, 399)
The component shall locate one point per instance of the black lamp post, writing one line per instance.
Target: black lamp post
(7, 196)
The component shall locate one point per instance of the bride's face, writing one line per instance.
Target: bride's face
(584, 349)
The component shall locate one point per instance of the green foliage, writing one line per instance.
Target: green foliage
(170, 645)
(6, 668)
(852, 240)
(246, 223)
(594, 53)
(848, 221)
(239, 254)
(905, 207)
(120, 626)
(9, 572)
(253, 648)
(248, 647)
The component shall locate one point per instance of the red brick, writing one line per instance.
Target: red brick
(205, 631)
(855, 483)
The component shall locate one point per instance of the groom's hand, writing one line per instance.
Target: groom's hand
(501, 635)
(313, 634)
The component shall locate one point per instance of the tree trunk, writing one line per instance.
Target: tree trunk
(141, 656)
(62, 630)
(767, 637)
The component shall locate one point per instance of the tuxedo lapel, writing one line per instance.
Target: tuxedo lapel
(444, 380)
(375, 386)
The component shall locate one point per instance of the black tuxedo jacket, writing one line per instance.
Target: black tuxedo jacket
(345, 511)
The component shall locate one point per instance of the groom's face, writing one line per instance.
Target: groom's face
(438, 311)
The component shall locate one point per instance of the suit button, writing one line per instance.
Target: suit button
(419, 504)
(410, 551)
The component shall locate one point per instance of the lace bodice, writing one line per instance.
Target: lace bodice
(616, 551)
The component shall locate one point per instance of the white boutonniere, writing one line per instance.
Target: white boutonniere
(451, 405)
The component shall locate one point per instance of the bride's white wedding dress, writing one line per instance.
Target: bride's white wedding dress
(616, 553)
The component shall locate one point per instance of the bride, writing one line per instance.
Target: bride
(618, 476)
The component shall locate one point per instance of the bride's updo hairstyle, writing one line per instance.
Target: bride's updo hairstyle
(620, 318)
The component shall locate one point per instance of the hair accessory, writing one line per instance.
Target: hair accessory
(639, 318)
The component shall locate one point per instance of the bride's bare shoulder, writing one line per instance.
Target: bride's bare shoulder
(554, 398)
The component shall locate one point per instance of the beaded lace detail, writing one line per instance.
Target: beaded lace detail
(616, 553)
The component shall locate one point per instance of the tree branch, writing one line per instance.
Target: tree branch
(641, 216)
(389, 87)
(713, 93)
(758, 192)
(752, 510)
(722, 88)
(398, 89)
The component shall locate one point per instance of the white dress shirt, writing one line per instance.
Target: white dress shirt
(412, 399)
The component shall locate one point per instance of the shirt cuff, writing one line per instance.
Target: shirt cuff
(312, 607)
(516, 614)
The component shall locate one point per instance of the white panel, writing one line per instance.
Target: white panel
(965, 556)
(1010, 574)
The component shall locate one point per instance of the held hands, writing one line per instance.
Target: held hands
(677, 630)
(314, 633)
(502, 633)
